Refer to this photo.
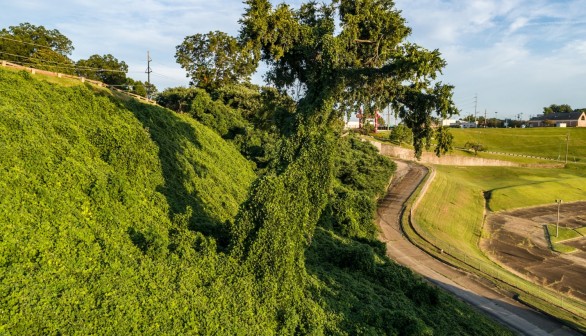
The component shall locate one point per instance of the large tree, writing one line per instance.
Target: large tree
(338, 57)
(37, 47)
(107, 69)
(215, 59)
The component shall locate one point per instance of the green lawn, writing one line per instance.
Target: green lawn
(542, 142)
(450, 215)
(563, 234)
(452, 209)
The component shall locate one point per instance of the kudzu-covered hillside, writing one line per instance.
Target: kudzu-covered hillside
(115, 219)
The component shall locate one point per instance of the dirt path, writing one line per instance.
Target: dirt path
(468, 287)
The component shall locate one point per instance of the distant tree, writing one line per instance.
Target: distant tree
(481, 121)
(475, 146)
(549, 122)
(215, 59)
(37, 47)
(401, 133)
(516, 123)
(553, 108)
(139, 87)
(177, 99)
(105, 69)
(494, 122)
(469, 118)
(367, 128)
(444, 140)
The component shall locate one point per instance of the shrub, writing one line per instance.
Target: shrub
(475, 147)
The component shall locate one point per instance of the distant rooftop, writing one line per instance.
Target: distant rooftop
(559, 116)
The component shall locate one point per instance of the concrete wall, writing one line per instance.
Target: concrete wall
(431, 158)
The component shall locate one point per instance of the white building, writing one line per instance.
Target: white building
(459, 123)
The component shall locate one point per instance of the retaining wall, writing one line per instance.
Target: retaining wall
(431, 158)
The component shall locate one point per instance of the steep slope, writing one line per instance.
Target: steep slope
(100, 210)
(114, 219)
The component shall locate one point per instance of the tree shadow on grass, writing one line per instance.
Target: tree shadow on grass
(172, 136)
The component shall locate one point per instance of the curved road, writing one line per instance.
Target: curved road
(468, 287)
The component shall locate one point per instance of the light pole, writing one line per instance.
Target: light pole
(521, 118)
(495, 113)
(559, 202)
(567, 144)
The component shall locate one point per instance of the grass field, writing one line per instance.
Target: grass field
(563, 234)
(452, 210)
(525, 146)
(542, 142)
(450, 215)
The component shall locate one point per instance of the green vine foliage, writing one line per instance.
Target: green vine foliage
(360, 178)
(110, 214)
(365, 63)
(122, 218)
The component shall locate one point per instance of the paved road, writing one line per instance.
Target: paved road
(468, 287)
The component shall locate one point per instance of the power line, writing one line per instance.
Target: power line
(23, 42)
(165, 76)
(32, 58)
(63, 65)
(47, 47)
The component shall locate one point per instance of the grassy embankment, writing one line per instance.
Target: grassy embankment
(523, 143)
(114, 219)
(450, 216)
(524, 146)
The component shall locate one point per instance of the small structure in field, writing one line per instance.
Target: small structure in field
(459, 123)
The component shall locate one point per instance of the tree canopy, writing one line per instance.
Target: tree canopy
(364, 62)
(214, 59)
(107, 69)
(553, 108)
(37, 47)
(337, 57)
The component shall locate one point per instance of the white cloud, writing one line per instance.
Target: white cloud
(128, 28)
(517, 55)
(517, 24)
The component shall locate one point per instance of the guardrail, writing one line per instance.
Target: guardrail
(82, 79)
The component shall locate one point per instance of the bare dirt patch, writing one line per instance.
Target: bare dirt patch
(517, 240)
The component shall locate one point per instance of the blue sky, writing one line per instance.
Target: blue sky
(516, 56)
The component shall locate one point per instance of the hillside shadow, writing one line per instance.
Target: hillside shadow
(172, 136)
(487, 197)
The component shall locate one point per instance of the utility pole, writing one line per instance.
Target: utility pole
(522, 117)
(148, 72)
(475, 105)
(484, 118)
